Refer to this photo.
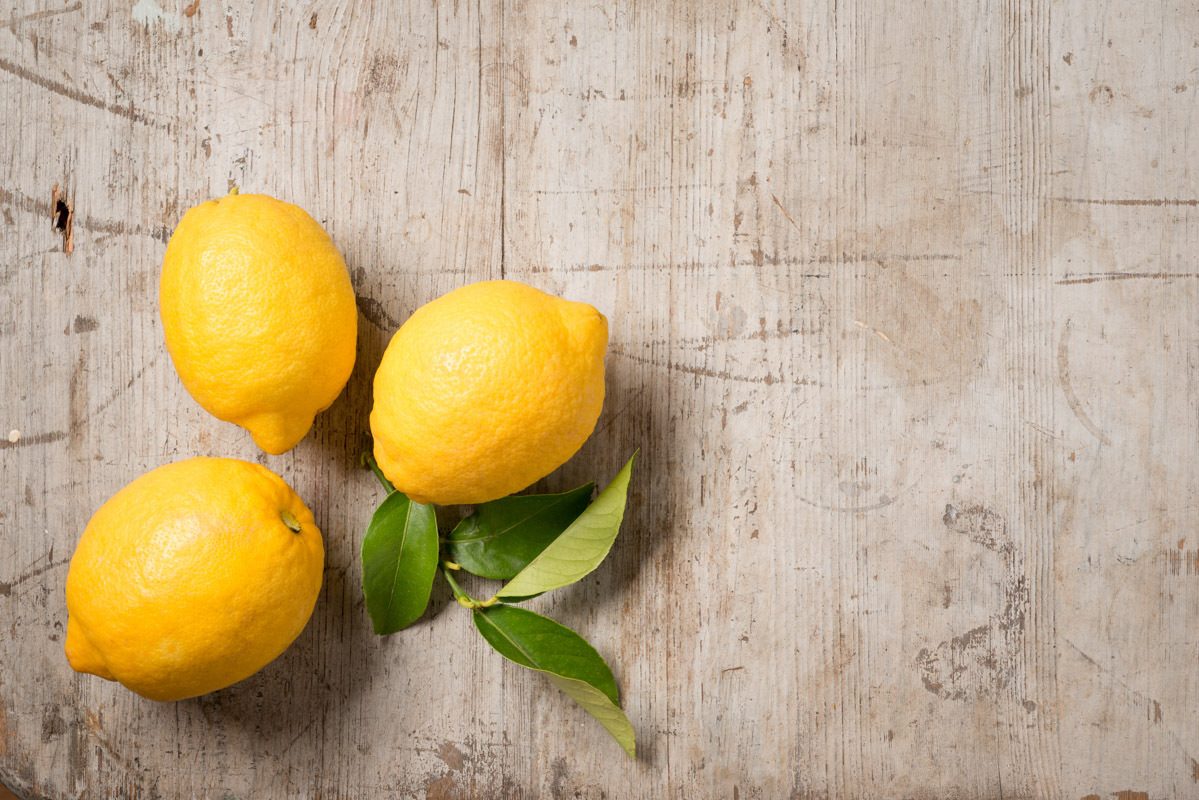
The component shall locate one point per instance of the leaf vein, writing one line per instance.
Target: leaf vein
(395, 578)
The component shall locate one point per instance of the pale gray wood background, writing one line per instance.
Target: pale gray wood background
(903, 302)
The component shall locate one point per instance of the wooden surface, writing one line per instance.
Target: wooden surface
(904, 308)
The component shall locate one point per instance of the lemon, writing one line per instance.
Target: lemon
(485, 390)
(259, 315)
(192, 577)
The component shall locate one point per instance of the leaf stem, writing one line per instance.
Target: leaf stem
(464, 599)
(369, 460)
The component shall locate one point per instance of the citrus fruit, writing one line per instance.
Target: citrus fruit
(192, 577)
(259, 315)
(485, 390)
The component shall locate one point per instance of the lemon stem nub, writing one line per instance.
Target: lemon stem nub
(290, 521)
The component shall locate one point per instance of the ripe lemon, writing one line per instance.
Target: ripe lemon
(194, 576)
(485, 390)
(259, 315)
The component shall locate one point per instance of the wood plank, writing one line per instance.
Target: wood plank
(904, 321)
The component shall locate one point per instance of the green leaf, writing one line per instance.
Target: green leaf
(580, 548)
(538, 643)
(399, 560)
(501, 537)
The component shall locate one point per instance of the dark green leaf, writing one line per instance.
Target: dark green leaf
(540, 644)
(399, 560)
(580, 548)
(501, 537)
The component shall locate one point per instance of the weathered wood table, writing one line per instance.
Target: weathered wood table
(904, 307)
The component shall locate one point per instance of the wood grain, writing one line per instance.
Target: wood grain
(904, 318)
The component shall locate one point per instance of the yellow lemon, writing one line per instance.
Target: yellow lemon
(259, 315)
(485, 390)
(194, 576)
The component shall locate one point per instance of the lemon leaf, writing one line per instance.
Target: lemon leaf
(580, 548)
(543, 645)
(500, 538)
(399, 561)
